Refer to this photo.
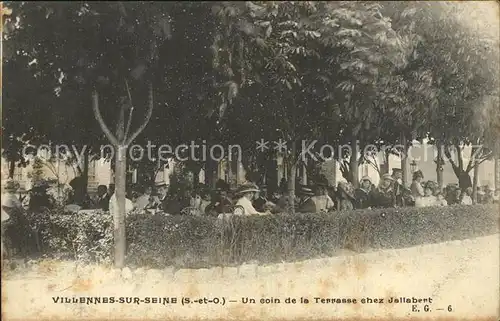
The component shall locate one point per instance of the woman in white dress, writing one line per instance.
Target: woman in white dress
(246, 193)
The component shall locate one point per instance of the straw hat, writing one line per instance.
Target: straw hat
(221, 185)
(366, 178)
(160, 184)
(387, 177)
(246, 188)
(306, 191)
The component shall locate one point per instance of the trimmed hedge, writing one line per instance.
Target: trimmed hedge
(190, 241)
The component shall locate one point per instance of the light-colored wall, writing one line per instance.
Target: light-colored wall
(99, 173)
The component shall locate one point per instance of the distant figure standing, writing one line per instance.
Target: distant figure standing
(398, 186)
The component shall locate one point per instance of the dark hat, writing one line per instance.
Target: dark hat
(397, 170)
(418, 173)
(307, 191)
(221, 185)
(75, 182)
(245, 188)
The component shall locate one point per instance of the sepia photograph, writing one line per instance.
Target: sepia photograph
(250, 160)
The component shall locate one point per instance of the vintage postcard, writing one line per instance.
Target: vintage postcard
(253, 160)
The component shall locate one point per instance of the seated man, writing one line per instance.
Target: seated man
(384, 195)
(102, 200)
(261, 203)
(306, 204)
(220, 201)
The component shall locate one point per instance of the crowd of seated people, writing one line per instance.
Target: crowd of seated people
(251, 199)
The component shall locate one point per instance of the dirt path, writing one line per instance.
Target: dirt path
(462, 274)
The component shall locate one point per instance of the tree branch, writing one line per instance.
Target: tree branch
(129, 120)
(472, 159)
(459, 156)
(146, 120)
(100, 120)
(448, 155)
(373, 163)
(484, 158)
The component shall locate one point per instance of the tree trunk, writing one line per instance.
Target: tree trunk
(229, 171)
(120, 143)
(210, 173)
(292, 170)
(404, 159)
(237, 171)
(12, 168)
(464, 180)
(196, 176)
(85, 174)
(353, 162)
(384, 168)
(119, 215)
(439, 164)
(475, 180)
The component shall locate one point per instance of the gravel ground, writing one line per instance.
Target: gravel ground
(460, 275)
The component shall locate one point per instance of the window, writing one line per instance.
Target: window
(92, 171)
